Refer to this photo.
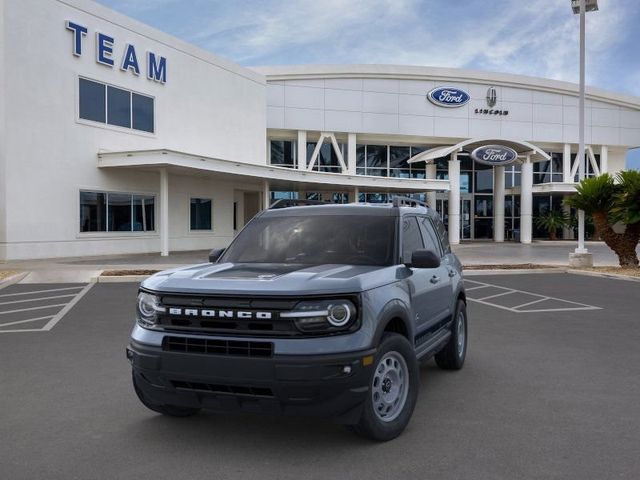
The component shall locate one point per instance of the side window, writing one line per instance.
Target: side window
(431, 241)
(441, 230)
(411, 238)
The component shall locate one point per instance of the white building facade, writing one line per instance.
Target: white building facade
(117, 138)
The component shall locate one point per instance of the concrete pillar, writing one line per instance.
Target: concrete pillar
(498, 204)
(567, 231)
(604, 159)
(356, 195)
(526, 201)
(454, 199)
(266, 195)
(164, 212)
(351, 153)
(431, 175)
(302, 150)
(566, 164)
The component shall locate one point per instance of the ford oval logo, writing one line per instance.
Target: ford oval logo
(448, 97)
(494, 155)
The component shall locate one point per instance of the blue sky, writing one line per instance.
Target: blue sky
(531, 37)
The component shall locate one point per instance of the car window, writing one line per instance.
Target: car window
(411, 238)
(441, 230)
(431, 241)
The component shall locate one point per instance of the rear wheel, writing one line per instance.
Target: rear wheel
(393, 390)
(452, 356)
(169, 410)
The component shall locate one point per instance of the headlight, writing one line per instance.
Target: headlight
(148, 309)
(323, 316)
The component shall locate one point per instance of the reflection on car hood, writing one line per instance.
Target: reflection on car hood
(271, 279)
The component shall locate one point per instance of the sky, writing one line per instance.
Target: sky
(531, 37)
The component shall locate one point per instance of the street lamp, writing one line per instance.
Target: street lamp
(581, 7)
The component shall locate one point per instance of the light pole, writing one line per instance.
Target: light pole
(581, 255)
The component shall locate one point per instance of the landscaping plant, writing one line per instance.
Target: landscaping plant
(551, 221)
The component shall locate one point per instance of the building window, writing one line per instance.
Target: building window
(115, 106)
(327, 160)
(283, 153)
(389, 161)
(116, 212)
(201, 214)
(549, 170)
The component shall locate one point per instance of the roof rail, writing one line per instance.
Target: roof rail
(295, 202)
(399, 201)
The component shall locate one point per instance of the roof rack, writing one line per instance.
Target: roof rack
(407, 202)
(295, 202)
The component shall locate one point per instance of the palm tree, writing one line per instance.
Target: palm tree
(551, 221)
(609, 202)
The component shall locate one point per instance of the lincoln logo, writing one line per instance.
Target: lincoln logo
(448, 97)
(494, 155)
(492, 97)
(220, 314)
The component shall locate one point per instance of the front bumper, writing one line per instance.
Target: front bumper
(306, 385)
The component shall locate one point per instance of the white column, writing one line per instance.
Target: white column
(454, 199)
(566, 164)
(430, 173)
(302, 150)
(351, 154)
(526, 201)
(498, 204)
(356, 194)
(604, 159)
(164, 212)
(266, 195)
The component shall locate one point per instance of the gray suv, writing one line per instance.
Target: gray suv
(312, 310)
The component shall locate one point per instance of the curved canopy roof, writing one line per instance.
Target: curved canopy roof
(522, 148)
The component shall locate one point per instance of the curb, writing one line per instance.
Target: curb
(12, 279)
(120, 279)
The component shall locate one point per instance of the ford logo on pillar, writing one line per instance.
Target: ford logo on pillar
(448, 97)
(494, 155)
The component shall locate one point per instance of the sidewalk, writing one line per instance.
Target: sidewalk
(82, 269)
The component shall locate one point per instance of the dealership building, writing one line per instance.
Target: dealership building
(118, 138)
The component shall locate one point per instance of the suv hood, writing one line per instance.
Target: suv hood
(271, 279)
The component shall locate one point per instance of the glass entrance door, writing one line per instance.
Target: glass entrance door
(466, 215)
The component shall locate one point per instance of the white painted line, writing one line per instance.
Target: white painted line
(33, 308)
(531, 303)
(476, 288)
(24, 321)
(570, 309)
(498, 295)
(38, 299)
(51, 323)
(42, 291)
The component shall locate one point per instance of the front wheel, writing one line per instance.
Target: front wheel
(452, 356)
(169, 410)
(393, 390)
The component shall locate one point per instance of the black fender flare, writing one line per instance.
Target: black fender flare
(394, 309)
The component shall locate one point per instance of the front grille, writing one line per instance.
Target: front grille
(230, 389)
(217, 347)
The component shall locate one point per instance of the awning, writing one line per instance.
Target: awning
(279, 178)
(522, 148)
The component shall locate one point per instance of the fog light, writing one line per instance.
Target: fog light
(346, 369)
(368, 360)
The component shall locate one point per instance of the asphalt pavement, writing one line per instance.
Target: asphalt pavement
(544, 394)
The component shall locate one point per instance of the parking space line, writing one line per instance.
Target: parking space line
(51, 323)
(33, 308)
(519, 308)
(39, 299)
(41, 291)
(25, 321)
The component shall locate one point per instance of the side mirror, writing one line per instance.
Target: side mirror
(424, 259)
(215, 254)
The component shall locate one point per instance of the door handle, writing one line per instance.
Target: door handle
(435, 279)
(452, 273)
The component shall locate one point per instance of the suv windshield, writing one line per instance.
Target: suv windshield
(316, 240)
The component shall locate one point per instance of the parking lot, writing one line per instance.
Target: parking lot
(550, 390)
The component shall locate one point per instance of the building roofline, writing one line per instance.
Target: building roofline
(412, 72)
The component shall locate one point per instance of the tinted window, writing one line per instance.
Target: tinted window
(93, 212)
(411, 238)
(143, 213)
(119, 212)
(200, 214)
(441, 230)
(430, 237)
(92, 101)
(118, 107)
(283, 153)
(142, 113)
(316, 240)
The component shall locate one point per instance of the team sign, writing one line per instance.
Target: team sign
(156, 65)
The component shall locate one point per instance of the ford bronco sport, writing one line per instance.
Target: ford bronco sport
(311, 310)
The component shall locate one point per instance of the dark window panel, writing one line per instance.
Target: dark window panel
(200, 214)
(377, 156)
(143, 113)
(360, 156)
(119, 212)
(93, 212)
(144, 213)
(118, 107)
(398, 157)
(92, 101)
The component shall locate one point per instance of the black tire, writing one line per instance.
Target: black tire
(169, 410)
(452, 356)
(396, 348)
